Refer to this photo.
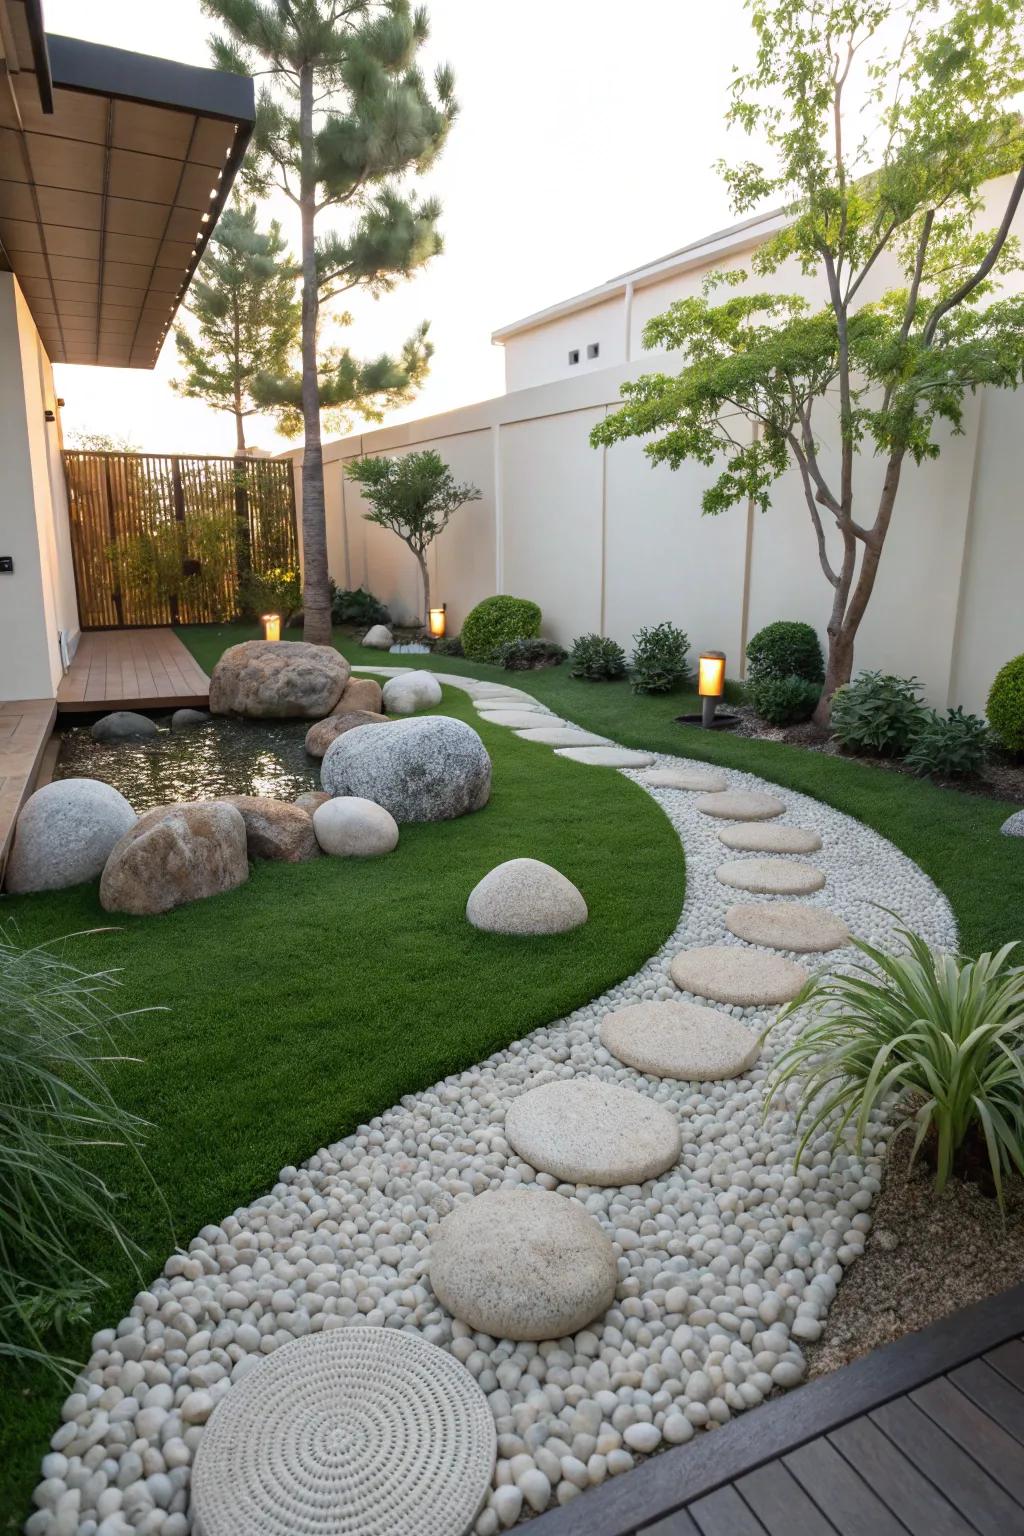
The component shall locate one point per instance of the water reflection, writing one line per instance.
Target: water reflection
(223, 757)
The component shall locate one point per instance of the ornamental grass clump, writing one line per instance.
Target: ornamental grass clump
(940, 1034)
(55, 1105)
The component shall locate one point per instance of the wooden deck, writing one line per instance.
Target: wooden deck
(922, 1438)
(132, 669)
(26, 726)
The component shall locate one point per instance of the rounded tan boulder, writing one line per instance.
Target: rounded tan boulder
(320, 736)
(278, 680)
(311, 799)
(274, 829)
(360, 693)
(175, 854)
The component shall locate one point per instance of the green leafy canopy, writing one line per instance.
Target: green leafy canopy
(413, 494)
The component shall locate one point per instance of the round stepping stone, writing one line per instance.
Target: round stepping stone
(588, 1132)
(519, 719)
(563, 736)
(746, 978)
(348, 1432)
(685, 778)
(680, 1040)
(773, 877)
(763, 837)
(523, 1264)
(788, 925)
(606, 757)
(741, 805)
(525, 897)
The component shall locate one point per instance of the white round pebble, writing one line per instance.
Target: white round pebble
(727, 1261)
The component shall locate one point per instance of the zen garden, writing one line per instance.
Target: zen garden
(462, 1066)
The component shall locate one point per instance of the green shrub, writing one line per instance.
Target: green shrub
(1005, 708)
(55, 1051)
(944, 1034)
(877, 713)
(659, 659)
(528, 655)
(783, 700)
(597, 658)
(278, 590)
(358, 607)
(952, 746)
(786, 648)
(496, 620)
(449, 645)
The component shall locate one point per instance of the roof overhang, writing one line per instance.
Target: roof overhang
(108, 199)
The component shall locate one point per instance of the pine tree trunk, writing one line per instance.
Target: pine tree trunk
(316, 595)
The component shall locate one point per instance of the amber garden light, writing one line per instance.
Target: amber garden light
(710, 683)
(437, 621)
(271, 626)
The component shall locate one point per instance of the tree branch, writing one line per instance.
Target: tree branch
(968, 286)
(819, 531)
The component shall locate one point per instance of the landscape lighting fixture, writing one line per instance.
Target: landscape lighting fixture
(437, 621)
(271, 626)
(710, 684)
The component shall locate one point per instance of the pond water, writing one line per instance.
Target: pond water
(222, 757)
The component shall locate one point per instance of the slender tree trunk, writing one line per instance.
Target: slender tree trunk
(316, 594)
(421, 557)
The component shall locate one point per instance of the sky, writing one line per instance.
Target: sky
(585, 146)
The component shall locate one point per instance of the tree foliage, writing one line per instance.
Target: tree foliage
(244, 302)
(884, 122)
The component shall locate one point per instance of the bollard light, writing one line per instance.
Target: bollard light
(710, 683)
(437, 621)
(271, 626)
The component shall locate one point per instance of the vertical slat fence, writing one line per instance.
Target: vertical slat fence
(169, 538)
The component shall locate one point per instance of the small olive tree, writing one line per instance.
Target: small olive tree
(413, 495)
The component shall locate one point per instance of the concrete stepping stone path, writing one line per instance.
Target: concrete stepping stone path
(607, 757)
(680, 1040)
(523, 1264)
(741, 805)
(771, 877)
(520, 719)
(588, 1132)
(745, 978)
(769, 837)
(707, 781)
(803, 930)
(562, 736)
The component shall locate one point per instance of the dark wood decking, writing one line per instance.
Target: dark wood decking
(132, 669)
(922, 1438)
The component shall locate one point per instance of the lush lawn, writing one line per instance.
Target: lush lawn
(318, 994)
(954, 837)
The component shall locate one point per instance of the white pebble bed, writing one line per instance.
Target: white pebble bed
(727, 1263)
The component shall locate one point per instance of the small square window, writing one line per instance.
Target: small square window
(574, 356)
(594, 349)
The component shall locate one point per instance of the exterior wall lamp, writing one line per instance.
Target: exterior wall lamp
(710, 684)
(437, 621)
(271, 626)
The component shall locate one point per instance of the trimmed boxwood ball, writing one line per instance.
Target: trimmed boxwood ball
(1005, 708)
(787, 648)
(784, 700)
(496, 621)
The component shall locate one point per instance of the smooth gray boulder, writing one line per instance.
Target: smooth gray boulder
(352, 828)
(525, 897)
(411, 692)
(420, 770)
(1013, 826)
(379, 638)
(64, 834)
(123, 725)
(278, 680)
(175, 854)
(187, 719)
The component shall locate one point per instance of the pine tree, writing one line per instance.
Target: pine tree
(244, 301)
(344, 115)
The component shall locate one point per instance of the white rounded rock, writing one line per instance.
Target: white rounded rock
(525, 897)
(680, 1040)
(410, 691)
(379, 638)
(588, 1132)
(788, 925)
(769, 837)
(350, 827)
(741, 805)
(523, 1264)
(64, 834)
(772, 877)
(746, 978)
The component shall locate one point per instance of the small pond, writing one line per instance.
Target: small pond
(222, 757)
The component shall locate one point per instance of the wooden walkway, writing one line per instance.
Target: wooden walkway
(132, 669)
(26, 726)
(922, 1438)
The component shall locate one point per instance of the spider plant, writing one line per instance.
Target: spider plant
(941, 1033)
(55, 1104)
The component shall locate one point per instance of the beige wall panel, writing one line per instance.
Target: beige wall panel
(537, 356)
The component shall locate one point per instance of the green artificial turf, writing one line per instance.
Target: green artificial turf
(952, 835)
(316, 995)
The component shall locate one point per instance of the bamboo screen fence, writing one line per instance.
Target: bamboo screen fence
(169, 539)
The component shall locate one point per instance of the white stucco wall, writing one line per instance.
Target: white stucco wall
(38, 600)
(540, 355)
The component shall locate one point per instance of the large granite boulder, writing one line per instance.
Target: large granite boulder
(352, 828)
(420, 770)
(1013, 826)
(361, 693)
(411, 691)
(175, 854)
(274, 829)
(320, 736)
(278, 680)
(64, 833)
(123, 725)
(379, 638)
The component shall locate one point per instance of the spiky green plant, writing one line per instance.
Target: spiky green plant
(55, 1104)
(944, 1034)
